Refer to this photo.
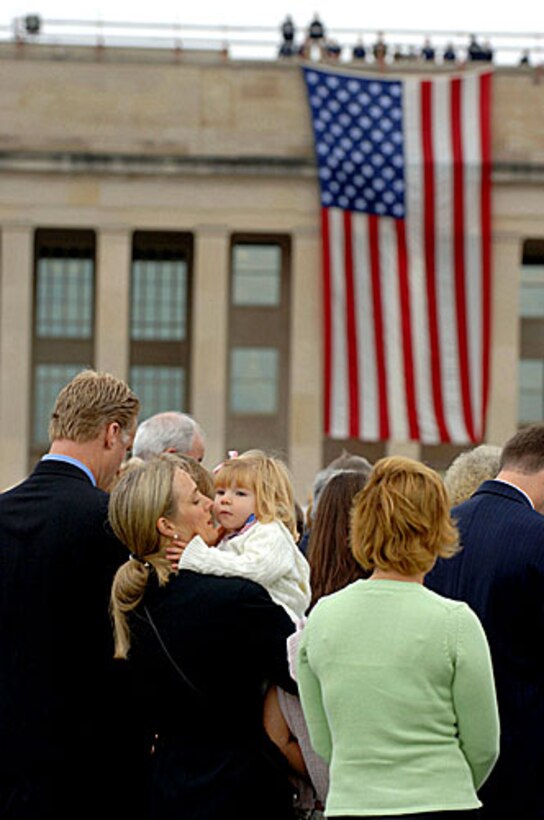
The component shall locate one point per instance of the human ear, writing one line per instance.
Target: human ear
(112, 434)
(165, 527)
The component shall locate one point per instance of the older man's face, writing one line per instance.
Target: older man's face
(197, 448)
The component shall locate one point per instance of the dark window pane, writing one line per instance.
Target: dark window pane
(159, 300)
(531, 391)
(256, 275)
(64, 297)
(159, 388)
(254, 380)
(48, 381)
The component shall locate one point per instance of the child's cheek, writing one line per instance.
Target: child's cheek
(215, 508)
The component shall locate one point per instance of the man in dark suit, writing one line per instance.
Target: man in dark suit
(61, 704)
(500, 574)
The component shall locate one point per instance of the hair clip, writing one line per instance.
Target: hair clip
(142, 561)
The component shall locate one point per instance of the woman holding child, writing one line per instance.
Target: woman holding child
(203, 647)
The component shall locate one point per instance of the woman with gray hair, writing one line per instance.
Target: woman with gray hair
(469, 470)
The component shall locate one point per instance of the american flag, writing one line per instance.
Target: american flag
(405, 176)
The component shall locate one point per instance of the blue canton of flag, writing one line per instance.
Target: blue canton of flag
(358, 127)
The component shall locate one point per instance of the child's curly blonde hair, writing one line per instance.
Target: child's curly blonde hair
(269, 479)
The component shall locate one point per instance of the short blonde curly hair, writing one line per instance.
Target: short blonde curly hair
(401, 519)
(469, 470)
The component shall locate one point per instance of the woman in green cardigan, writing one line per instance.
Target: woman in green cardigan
(396, 682)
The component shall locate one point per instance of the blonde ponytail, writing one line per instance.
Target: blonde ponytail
(139, 499)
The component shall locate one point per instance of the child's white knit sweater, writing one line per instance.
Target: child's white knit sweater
(264, 553)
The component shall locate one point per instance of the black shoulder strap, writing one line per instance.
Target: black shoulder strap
(164, 648)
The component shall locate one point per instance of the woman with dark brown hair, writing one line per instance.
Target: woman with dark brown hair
(332, 567)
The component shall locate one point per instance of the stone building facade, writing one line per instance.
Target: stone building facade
(139, 189)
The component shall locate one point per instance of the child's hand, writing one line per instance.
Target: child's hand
(210, 533)
(174, 553)
(219, 534)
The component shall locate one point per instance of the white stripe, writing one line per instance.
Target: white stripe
(392, 331)
(445, 268)
(369, 425)
(473, 240)
(339, 354)
(416, 263)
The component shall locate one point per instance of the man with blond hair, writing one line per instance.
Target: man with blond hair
(62, 750)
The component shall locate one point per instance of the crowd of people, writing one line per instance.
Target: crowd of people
(179, 643)
(316, 43)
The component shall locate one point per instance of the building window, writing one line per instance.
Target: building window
(258, 357)
(531, 365)
(64, 286)
(256, 275)
(531, 390)
(160, 320)
(254, 380)
(64, 300)
(48, 380)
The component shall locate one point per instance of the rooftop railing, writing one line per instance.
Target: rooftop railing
(263, 42)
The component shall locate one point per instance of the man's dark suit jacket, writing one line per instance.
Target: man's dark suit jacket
(212, 759)
(61, 703)
(500, 574)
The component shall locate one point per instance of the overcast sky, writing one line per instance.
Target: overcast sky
(463, 15)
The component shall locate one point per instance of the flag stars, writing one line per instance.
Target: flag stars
(359, 140)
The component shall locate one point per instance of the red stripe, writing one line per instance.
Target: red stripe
(406, 320)
(327, 317)
(485, 120)
(459, 253)
(430, 256)
(374, 248)
(351, 330)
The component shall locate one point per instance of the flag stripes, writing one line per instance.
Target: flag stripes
(407, 316)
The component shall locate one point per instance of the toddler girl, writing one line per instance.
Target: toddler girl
(254, 504)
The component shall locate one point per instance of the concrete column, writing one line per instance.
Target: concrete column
(306, 374)
(112, 338)
(210, 337)
(502, 415)
(16, 265)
